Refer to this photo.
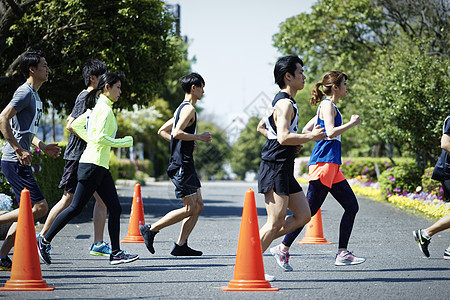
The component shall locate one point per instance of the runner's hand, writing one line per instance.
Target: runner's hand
(24, 156)
(52, 150)
(318, 133)
(205, 137)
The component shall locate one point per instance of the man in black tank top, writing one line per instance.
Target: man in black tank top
(180, 131)
(276, 174)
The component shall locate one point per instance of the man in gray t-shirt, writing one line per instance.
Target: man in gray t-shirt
(18, 123)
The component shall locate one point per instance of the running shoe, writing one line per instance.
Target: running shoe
(5, 264)
(447, 253)
(149, 237)
(184, 250)
(100, 249)
(44, 250)
(269, 277)
(422, 241)
(345, 258)
(122, 257)
(282, 258)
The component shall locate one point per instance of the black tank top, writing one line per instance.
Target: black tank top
(181, 152)
(273, 151)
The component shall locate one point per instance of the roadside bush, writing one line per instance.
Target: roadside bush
(431, 186)
(400, 180)
(365, 166)
(114, 166)
(134, 169)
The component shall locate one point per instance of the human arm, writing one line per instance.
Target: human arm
(187, 116)
(284, 113)
(51, 150)
(261, 128)
(310, 125)
(166, 129)
(445, 142)
(78, 126)
(328, 113)
(23, 155)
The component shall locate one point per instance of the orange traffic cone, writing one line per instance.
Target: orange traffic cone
(26, 269)
(136, 218)
(249, 268)
(314, 231)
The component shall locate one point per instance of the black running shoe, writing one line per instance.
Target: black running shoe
(422, 241)
(149, 237)
(122, 257)
(184, 250)
(44, 250)
(5, 264)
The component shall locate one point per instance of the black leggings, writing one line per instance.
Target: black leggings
(100, 181)
(343, 193)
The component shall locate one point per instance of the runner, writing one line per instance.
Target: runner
(324, 173)
(180, 131)
(19, 123)
(92, 71)
(98, 128)
(276, 174)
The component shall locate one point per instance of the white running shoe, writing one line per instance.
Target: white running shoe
(269, 277)
(345, 258)
(281, 258)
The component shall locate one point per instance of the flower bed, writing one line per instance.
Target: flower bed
(418, 202)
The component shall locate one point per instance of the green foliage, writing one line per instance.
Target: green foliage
(135, 37)
(132, 169)
(365, 166)
(114, 165)
(246, 152)
(396, 56)
(143, 124)
(400, 180)
(48, 172)
(409, 90)
(431, 186)
(210, 157)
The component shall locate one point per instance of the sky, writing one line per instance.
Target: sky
(232, 43)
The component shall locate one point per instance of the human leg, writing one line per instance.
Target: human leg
(316, 194)
(194, 204)
(107, 191)
(99, 216)
(276, 207)
(343, 193)
(423, 236)
(62, 204)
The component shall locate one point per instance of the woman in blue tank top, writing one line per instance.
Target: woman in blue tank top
(324, 173)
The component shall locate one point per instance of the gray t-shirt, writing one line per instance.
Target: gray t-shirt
(76, 146)
(25, 123)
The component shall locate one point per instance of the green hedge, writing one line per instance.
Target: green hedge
(365, 166)
(138, 169)
(431, 186)
(400, 180)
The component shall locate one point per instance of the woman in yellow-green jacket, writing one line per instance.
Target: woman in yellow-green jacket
(98, 128)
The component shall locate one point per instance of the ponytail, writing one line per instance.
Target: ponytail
(316, 94)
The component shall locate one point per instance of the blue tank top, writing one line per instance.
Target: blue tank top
(327, 150)
(273, 150)
(181, 152)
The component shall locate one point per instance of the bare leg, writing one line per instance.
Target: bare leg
(39, 209)
(277, 224)
(441, 224)
(9, 240)
(195, 204)
(99, 216)
(62, 204)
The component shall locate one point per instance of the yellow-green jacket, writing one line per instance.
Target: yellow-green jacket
(99, 132)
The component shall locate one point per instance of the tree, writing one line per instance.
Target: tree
(143, 124)
(135, 37)
(365, 39)
(246, 152)
(411, 99)
(210, 157)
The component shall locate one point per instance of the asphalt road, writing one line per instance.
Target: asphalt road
(395, 269)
